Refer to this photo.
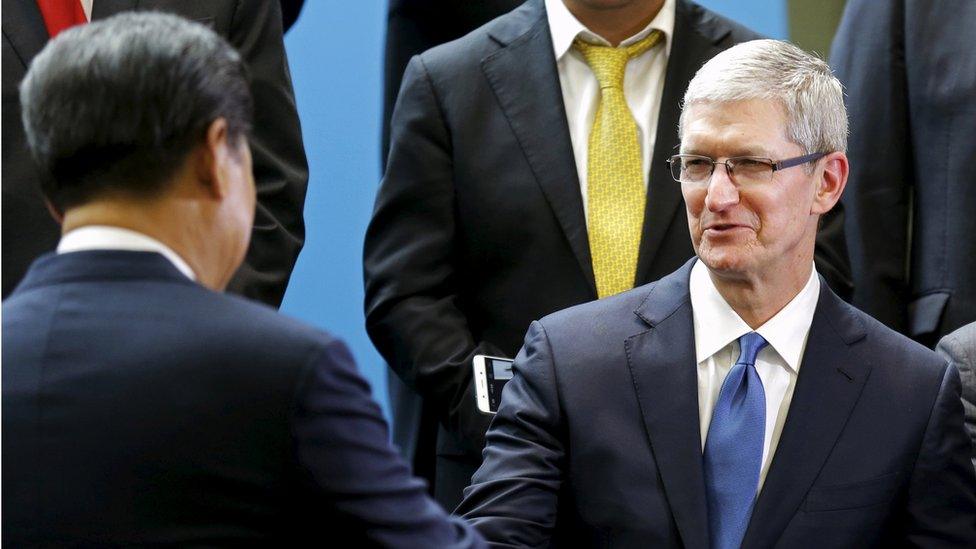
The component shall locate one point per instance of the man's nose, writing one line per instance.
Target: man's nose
(722, 192)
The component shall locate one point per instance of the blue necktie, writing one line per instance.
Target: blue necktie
(734, 447)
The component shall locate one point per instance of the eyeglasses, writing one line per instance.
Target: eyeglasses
(693, 169)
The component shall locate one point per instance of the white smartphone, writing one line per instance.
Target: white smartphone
(490, 375)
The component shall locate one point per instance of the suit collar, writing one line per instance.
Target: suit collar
(665, 296)
(525, 61)
(104, 237)
(662, 363)
(833, 375)
(662, 366)
(100, 266)
(565, 27)
(23, 27)
(517, 23)
(717, 324)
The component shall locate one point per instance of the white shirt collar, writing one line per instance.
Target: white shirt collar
(104, 237)
(564, 28)
(717, 324)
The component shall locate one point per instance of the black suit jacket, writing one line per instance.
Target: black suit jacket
(415, 26)
(909, 67)
(280, 169)
(478, 227)
(140, 408)
(597, 439)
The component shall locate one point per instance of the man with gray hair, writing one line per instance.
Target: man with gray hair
(737, 402)
(141, 407)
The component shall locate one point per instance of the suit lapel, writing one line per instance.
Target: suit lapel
(662, 364)
(830, 381)
(23, 26)
(107, 8)
(525, 80)
(693, 44)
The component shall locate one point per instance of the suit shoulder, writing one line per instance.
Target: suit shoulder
(618, 310)
(257, 326)
(467, 52)
(896, 350)
(722, 30)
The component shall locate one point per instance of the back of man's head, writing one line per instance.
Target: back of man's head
(115, 106)
(811, 96)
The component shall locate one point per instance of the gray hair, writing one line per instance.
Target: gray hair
(812, 97)
(117, 105)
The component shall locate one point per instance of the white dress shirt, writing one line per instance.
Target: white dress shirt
(87, 6)
(643, 82)
(103, 237)
(717, 330)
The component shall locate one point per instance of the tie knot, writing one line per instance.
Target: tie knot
(609, 63)
(749, 347)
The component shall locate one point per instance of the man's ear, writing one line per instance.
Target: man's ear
(831, 184)
(212, 159)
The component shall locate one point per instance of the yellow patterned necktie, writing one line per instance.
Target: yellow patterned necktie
(615, 179)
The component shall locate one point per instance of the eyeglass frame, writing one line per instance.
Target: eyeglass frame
(776, 165)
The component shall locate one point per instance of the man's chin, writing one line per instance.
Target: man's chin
(722, 262)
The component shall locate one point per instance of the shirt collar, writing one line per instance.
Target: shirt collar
(717, 324)
(564, 28)
(104, 237)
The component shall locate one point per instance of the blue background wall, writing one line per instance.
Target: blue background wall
(336, 54)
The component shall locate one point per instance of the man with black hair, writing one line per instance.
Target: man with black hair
(141, 406)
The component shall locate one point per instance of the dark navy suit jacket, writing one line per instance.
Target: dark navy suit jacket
(597, 440)
(141, 408)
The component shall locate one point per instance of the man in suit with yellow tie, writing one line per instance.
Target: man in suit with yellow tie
(527, 174)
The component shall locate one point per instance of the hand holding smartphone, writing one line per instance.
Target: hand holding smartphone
(490, 375)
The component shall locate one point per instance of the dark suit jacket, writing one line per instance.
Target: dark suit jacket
(596, 442)
(479, 227)
(140, 408)
(290, 10)
(415, 26)
(909, 67)
(280, 169)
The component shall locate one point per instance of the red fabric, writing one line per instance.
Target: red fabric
(61, 14)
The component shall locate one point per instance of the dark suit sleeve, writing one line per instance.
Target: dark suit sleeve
(868, 57)
(413, 307)
(513, 497)
(942, 492)
(280, 169)
(342, 445)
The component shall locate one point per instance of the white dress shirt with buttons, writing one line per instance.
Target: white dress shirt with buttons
(643, 82)
(103, 237)
(717, 330)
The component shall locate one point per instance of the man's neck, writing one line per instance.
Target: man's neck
(163, 223)
(616, 23)
(757, 299)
